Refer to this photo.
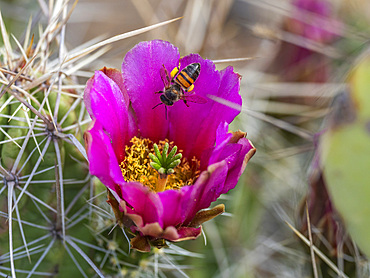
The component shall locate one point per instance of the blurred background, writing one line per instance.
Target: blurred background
(294, 58)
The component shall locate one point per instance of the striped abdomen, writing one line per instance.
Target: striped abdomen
(188, 75)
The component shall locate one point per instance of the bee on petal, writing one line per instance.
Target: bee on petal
(178, 86)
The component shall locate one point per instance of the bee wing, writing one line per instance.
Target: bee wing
(165, 76)
(194, 98)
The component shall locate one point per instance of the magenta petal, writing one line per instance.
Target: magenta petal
(102, 161)
(87, 97)
(226, 163)
(222, 134)
(204, 191)
(172, 201)
(222, 139)
(229, 90)
(233, 154)
(213, 188)
(186, 122)
(109, 108)
(141, 72)
(144, 202)
(237, 166)
(117, 77)
(227, 152)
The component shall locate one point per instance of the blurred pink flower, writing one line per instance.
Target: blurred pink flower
(313, 21)
(316, 21)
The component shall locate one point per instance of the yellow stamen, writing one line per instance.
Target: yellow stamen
(136, 167)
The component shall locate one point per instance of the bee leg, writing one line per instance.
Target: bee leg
(186, 103)
(157, 105)
(159, 92)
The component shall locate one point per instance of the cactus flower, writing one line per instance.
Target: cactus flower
(309, 27)
(128, 139)
(313, 22)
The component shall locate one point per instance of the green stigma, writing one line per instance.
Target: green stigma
(164, 163)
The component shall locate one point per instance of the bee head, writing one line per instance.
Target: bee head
(165, 100)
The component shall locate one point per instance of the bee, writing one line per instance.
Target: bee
(179, 86)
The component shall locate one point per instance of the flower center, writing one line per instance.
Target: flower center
(136, 166)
